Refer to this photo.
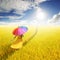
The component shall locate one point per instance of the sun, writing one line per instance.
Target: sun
(40, 15)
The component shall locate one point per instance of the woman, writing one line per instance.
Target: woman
(18, 32)
(18, 43)
(19, 39)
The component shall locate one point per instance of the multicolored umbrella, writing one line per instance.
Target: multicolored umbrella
(20, 30)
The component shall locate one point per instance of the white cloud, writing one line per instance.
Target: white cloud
(1, 10)
(15, 4)
(39, 1)
(16, 18)
(12, 18)
(18, 4)
(17, 23)
(55, 18)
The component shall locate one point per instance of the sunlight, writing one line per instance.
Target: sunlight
(40, 15)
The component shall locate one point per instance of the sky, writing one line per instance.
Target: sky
(12, 11)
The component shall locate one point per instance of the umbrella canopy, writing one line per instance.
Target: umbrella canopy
(20, 30)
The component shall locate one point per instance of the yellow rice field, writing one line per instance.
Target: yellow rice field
(45, 45)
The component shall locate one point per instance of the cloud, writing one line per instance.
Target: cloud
(17, 23)
(39, 1)
(18, 7)
(55, 19)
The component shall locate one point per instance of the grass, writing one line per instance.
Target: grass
(45, 45)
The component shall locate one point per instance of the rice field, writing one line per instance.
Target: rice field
(45, 45)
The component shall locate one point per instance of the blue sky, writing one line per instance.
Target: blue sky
(25, 9)
(52, 7)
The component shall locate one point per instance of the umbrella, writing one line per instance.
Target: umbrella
(20, 30)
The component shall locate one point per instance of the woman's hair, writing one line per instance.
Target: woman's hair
(21, 36)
